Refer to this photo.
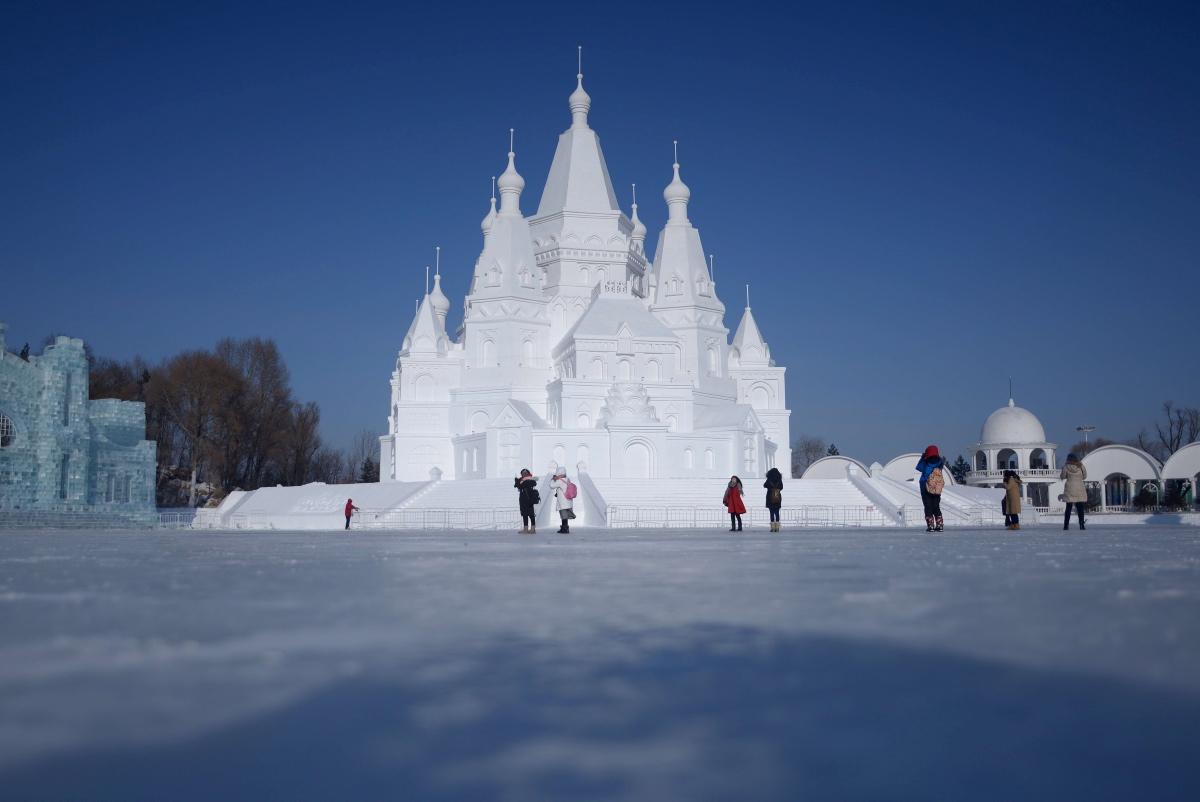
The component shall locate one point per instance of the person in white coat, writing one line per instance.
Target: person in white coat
(564, 504)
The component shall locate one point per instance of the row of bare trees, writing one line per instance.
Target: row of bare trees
(1177, 427)
(226, 419)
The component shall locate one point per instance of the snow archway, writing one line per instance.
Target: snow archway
(638, 460)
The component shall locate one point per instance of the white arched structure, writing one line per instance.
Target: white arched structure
(833, 467)
(1184, 466)
(1012, 438)
(1119, 473)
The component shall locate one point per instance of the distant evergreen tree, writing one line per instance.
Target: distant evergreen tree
(960, 469)
(24, 352)
(369, 471)
(832, 452)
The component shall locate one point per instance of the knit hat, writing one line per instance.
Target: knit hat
(930, 451)
(1072, 457)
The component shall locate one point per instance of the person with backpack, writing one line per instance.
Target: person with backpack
(564, 499)
(1074, 491)
(774, 486)
(350, 510)
(733, 502)
(527, 498)
(1010, 505)
(933, 480)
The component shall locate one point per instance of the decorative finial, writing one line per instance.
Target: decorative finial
(493, 188)
(747, 296)
(634, 196)
(437, 271)
(426, 279)
(1010, 395)
(677, 193)
(510, 183)
(712, 272)
(579, 101)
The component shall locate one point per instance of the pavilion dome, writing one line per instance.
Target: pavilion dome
(1014, 425)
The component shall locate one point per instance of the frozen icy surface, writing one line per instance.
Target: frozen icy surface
(654, 665)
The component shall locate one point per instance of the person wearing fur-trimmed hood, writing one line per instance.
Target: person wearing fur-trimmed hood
(564, 500)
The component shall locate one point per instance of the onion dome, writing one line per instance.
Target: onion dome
(510, 183)
(677, 196)
(580, 102)
(438, 299)
(489, 218)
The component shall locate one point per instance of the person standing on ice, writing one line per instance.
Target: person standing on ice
(1010, 505)
(1074, 491)
(564, 499)
(932, 482)
(733, 502)
(527, 499)
(350, 510)
(774, 486)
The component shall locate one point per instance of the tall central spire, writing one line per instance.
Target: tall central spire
(579, 179)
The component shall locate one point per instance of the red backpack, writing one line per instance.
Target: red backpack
(572, 491)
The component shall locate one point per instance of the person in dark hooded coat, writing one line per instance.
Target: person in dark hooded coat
(774, 486)
(527, 498)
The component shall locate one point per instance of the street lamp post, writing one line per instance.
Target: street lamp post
(1085, 429)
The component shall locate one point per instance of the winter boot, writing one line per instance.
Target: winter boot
(928, 523)
(1016, 526)
(939, 525)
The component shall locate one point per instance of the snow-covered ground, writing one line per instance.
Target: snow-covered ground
(657, 665)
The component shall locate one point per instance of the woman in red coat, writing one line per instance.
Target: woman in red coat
(733, 502)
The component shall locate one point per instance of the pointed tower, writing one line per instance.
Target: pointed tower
(505, 329)
(760, 383)
(581, 237)
(683, 296)
(428, 367)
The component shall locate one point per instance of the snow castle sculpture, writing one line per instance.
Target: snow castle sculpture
(576, 351)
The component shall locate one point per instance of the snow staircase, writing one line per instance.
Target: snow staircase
(697, 503)
(963, 506)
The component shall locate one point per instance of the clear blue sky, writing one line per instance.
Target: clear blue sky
(926, 198)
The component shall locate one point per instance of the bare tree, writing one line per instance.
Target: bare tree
(329, 466)
(258, 416)
(1180, 426)
(1082, 448)
(193, 389)
(806, 450)
(364, 447)
(300, 445)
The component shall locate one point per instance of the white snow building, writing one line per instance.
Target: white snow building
(577, 351)
(1012, 438)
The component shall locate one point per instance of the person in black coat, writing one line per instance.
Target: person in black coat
(527, 497)
(774, 486)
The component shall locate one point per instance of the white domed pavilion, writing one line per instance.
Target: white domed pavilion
(1012, 438)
